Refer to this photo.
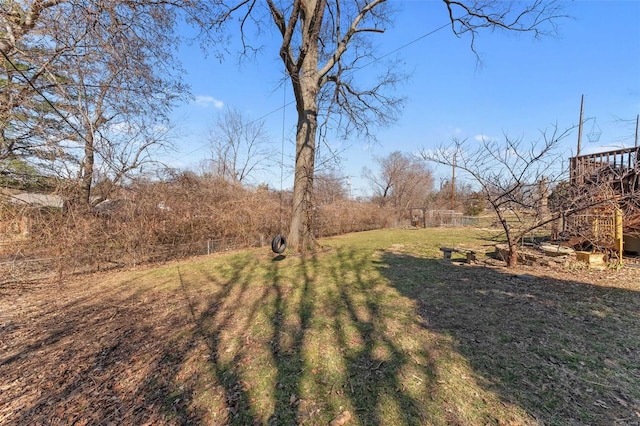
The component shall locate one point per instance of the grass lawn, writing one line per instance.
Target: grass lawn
(375, 329)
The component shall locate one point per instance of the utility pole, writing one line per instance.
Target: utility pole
(580, 126)
(637, 120)
(453, 183)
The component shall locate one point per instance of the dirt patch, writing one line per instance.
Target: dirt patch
(85, 353)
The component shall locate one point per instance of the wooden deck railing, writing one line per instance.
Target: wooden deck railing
(605, 166)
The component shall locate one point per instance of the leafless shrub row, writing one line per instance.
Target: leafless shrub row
(159, 221)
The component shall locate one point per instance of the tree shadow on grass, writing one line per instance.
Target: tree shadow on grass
(213, 321)
(320, 337)
(94, 360)
(373, 359)
(123, 355)
(129, 355)
(293, 307)
(303, 340)
(565, 351)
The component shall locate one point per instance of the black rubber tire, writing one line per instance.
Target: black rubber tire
(278, 244)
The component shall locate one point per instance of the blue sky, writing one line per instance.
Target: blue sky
(521, 86)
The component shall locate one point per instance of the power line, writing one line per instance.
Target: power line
(75, 130)
(404, 46)
(57, 111)
(375, 60)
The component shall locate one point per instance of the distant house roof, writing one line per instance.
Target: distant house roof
(107, 206)
(37, 200)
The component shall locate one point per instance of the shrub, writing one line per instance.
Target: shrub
(184, 216)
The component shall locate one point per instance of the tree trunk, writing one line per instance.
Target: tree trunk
(87, 169)
(512, 243)
(513, 255)
(301, 238)
(306, 88)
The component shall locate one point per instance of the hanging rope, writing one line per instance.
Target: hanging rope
(279, 242)
(284, 103)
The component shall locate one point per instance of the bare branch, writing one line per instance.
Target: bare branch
(513, 177)
(351, 32)
(538, 17)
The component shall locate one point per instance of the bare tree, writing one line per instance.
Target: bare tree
(514, 177)
(324, 43)
(402, 181)
(314, 51)
(88, 85)
(122, 88)
(29, 127)
(239, 147)
(315, 37)
(330, 187)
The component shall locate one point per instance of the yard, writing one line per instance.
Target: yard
(374, 329)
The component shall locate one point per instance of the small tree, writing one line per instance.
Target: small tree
(239, 147)
(474, 204)
(402, 181)
(513, 177)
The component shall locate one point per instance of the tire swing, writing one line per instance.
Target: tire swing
(278, 244)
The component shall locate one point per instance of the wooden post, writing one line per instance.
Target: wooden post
(453, 183)
(580, 125)
(618, 234)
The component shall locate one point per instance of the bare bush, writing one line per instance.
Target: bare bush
(351, 216)
(182, 216)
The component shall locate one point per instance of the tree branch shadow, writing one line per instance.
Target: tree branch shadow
(374, 367)
(562, 350)
(302, 341)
